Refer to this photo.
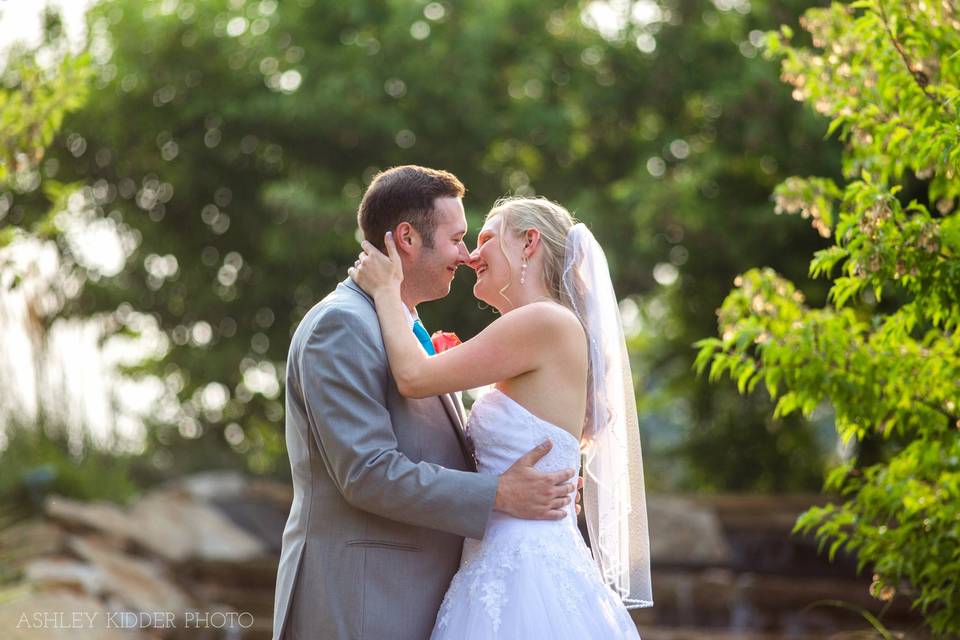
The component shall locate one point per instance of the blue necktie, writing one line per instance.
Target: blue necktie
(423, 337)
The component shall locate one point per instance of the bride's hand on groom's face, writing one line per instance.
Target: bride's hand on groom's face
(375, 272)
(524, 492)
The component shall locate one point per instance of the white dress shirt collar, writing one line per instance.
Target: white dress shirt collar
(411, 315)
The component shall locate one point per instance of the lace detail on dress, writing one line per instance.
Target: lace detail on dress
(488, 565)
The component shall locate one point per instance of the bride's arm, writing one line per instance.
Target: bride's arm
(511, 345)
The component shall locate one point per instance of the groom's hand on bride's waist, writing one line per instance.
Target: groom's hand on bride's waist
(524, 492)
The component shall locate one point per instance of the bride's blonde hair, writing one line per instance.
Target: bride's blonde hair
(553, 221)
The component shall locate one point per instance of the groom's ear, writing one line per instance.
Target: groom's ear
(406, 237)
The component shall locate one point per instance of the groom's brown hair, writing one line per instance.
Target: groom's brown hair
(405, 194)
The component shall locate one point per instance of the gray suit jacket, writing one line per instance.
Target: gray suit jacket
(383, 489)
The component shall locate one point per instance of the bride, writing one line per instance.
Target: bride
(557, 359)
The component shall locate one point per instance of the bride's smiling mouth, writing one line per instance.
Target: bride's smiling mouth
(481, 270)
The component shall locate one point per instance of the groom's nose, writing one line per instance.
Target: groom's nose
(472, 259)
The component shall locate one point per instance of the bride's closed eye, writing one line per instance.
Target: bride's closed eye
(482, 239)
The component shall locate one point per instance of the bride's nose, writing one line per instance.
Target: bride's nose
(473, 258)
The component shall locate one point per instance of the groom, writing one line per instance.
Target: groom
(385, 487)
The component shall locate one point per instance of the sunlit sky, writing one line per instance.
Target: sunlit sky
(20, 19)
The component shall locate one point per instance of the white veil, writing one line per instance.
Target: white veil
(614, 501)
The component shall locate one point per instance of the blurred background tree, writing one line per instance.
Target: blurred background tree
(885, 355)
(229, 142)
(39, 86)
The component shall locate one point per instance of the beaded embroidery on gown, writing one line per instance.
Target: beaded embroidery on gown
(527, 579)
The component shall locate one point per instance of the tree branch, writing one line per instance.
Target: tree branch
(935, 407)
(918, 76)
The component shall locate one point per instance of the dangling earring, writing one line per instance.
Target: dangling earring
(523, 271)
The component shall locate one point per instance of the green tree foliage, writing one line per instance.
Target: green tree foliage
(714, 133)
(886, 354)
(233, 140)
(34, 99)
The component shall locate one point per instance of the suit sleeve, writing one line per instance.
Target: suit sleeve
(343, 376)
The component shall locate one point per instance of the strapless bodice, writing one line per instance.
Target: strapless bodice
(502, 430)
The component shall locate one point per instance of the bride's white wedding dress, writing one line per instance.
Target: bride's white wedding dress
(527, 579)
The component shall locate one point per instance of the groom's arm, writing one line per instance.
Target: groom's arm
(343, 375)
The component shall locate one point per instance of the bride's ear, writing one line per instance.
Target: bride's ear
(531, 242)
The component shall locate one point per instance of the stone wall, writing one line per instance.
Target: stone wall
(198, 559)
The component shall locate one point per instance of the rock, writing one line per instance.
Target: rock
(172, 525)
(139, 585)
(59, 616)
(104, 517)
(774, 514)
(773, 593)
(258, 573)
(32, 539)
(681, 633)
(176, 524)
(721, 598)
(57, 574)
(213, 485)
(261, 517)
(692, 597)
(281, 493)
(257, 602)
(682, 532)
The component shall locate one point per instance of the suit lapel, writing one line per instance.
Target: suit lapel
(454, 412)
(451, 404)
(461, 412)
(451, 409)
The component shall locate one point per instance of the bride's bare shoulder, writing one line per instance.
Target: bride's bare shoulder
(554, 317)
(541, 321)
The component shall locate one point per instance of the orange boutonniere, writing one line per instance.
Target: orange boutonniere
(443, 340)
